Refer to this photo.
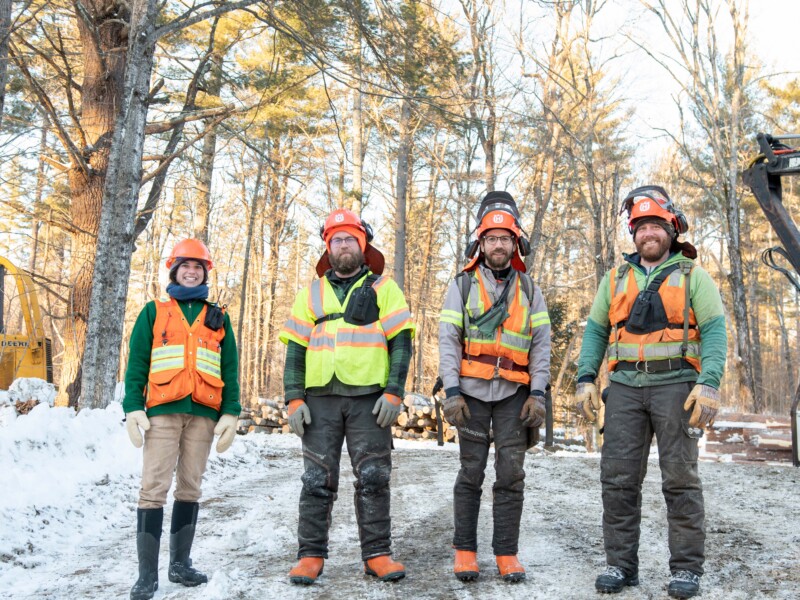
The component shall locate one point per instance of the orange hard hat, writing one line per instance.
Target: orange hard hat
(498, 219)
(342, 218)
(194, 249)
(653, 201)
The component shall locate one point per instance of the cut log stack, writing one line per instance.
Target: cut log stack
(749, 438)
(416, 422)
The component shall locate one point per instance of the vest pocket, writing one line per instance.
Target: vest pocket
(208, 390)
(164, 386)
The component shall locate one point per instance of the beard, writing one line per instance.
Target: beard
(652, 252)
(499, 259)
(346, 261)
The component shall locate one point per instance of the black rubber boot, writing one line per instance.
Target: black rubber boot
(184, 520)
(148, 539)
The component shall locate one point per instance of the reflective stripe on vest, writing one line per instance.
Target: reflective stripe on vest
(356, 355)
(185, 358)
(512, 340)
(658, 345)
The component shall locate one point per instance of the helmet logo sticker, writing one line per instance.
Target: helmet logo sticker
(644, 205)
(498, 218)
(339, 218)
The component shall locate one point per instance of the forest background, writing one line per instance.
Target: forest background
(129, 125)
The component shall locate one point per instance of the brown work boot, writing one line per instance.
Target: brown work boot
(510, 569)
(384, 568)
(306, 571)
(466, 565)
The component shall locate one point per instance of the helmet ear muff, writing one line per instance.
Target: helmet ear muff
(368, 230)
(524, 245)
(472, 248)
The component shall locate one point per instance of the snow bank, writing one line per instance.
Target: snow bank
(65, 477)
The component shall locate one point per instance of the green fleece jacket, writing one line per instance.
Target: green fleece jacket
(707, 305)
(141, 343)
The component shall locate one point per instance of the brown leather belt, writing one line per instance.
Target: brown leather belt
(496, 361)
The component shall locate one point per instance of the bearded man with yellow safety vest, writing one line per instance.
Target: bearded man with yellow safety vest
(659, 318)
(494, 361)
(348, 349)
(181, 389)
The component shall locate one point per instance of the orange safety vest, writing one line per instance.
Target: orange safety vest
(505, 353)
(662, 344)
(185, 359)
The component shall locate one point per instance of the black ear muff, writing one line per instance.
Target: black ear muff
(683, 224)
(368, 230)
(524, 246)
(322, 231)
(472, 248)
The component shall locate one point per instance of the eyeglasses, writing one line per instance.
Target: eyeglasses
(503, 239)
(350, 241)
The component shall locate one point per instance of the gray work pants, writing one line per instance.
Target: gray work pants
(510, 443)
(335, 419)
(633, 415)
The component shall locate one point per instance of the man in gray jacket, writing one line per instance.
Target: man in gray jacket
(494, 360)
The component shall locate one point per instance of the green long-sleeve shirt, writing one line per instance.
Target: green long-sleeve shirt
(136, 375)
(707, 306)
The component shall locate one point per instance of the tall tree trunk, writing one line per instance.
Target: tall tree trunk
(5, 31)
(105, 50)
(358, 124)
(112, 264)
(403, 162)
(206, 170)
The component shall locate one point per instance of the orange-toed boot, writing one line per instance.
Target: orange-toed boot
(384, 568)
(510, 569)
(466, 565)
(306, 570)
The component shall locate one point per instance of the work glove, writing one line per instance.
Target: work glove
(133, 421)
(587, 400)
(298, 414)
(533, 412)
(387, 408)
(456, 410)
(705, 400)
(226, 430)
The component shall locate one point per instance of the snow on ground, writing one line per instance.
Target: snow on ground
(68, 510)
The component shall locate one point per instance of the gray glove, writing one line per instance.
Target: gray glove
(533, 412)
(387, 407)
(703, 401)
(456, 410)
(298, 415)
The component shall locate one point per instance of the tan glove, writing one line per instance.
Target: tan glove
(456, 410)
(226, 430)
(133, 421)
(533, 412)
(705, 400)
(587, 400)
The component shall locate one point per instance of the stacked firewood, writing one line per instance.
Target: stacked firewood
(268, 416)
(416, 422)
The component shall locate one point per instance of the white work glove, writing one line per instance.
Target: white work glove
(226, 430)
(133, 421)
(705, 400)
(587, 400)
(298, 414)
(387, 407)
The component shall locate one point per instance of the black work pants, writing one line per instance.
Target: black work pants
(333, 420)
(510, 443)
(633, 415)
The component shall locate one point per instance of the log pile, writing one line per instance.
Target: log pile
(417, 421)
(749, 438)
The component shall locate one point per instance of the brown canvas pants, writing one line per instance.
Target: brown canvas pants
(182, 441)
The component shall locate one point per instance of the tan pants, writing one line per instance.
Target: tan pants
(179, 439)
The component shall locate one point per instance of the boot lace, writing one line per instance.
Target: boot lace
(686, 576)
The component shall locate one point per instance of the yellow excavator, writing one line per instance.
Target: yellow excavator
(27, 354)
